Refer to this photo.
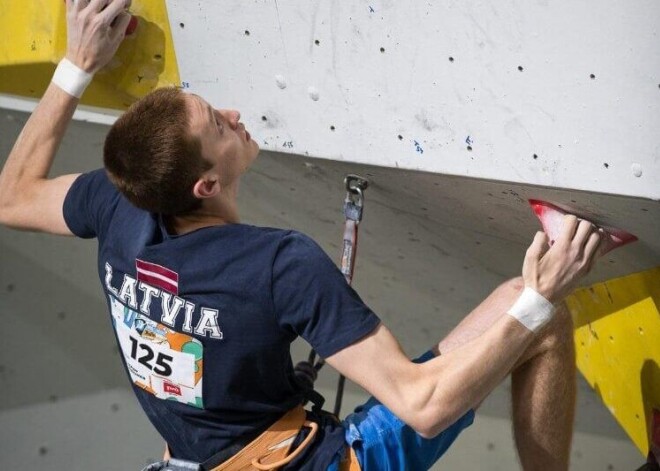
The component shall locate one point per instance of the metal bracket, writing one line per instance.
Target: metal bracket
(355, 183)
(355, 186)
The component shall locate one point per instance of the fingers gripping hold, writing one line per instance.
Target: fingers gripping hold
(110, 12)
(76, 5)
(591, 247)
(97, 5)
(568, 228)
(95, 29)
(556, 271)
(575, 244)
(585, 244)
(121, 25)
(539, 246)
(584, 230)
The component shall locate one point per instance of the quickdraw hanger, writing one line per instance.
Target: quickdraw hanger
(307, 371)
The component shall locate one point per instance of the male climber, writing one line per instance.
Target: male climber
(205, 308)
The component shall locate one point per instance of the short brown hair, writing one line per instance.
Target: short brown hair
(151, 156)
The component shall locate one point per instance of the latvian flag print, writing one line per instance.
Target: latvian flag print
(158, 276)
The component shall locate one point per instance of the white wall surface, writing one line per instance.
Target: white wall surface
(577, 85)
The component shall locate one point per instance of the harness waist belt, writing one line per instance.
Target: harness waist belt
(270, 450)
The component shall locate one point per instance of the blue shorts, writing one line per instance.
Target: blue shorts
(381, 441)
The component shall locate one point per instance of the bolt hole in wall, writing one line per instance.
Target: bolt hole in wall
(520, 68)
(535, 156)
(247, 32)
(382, 49)
(181, 25)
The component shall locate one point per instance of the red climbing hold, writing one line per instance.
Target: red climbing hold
(132, 25)
(551, 218)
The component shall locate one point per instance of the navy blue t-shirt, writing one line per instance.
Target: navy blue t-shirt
(205, 320)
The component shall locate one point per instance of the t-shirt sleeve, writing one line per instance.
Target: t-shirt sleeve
(312, 298)
(89, 204)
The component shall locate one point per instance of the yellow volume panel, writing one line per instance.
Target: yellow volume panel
(34, 41)
(618, 347)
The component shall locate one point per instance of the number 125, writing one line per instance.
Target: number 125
(163, 362)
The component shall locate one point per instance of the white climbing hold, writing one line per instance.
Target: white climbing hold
(280, 81)
(313, 93)
(636, 169)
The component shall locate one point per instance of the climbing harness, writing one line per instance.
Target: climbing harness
(307, 371)
(268, 452)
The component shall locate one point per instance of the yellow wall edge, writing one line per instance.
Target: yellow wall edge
(617, 341)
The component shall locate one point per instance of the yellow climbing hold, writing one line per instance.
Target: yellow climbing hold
(36, 41)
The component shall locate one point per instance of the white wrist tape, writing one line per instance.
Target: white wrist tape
(532, 310)
(71, 78)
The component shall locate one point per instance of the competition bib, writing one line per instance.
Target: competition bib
(166, 363)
